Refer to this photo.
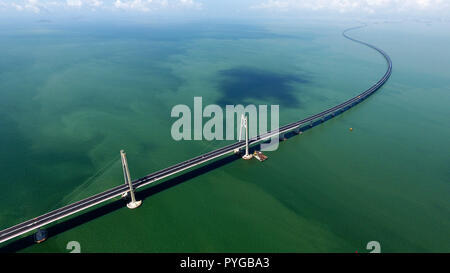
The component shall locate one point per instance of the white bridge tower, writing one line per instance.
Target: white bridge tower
(126, 175)
(244, 124)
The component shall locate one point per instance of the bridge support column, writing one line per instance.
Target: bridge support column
(40, 236)
(126, 174)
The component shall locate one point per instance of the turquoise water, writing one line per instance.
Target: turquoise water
(73, 96)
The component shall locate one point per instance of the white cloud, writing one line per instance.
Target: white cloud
(74, 3)
(368, 6)
(94, 3)
(17, 6)
(224, 6)
(190, 3)
(81, 3)
(34, 6)
(147, 5)
(141, 5)
(37, 6)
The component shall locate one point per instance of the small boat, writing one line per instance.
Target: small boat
(40, 236)
(260, 156)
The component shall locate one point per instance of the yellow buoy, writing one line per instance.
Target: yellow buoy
(351, 129)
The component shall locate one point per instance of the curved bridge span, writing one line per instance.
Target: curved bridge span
(84, 204)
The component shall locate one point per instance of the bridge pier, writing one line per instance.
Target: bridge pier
(126, 174)
(40, 236)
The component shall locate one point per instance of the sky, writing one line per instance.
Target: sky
(380, 8)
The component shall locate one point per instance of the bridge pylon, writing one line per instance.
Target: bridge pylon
(126, 175)
(244, 124)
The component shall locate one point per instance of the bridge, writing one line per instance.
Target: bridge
(130, 186)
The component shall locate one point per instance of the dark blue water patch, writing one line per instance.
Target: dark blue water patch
(245, 85)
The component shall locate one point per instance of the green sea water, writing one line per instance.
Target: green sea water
(72, 96)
